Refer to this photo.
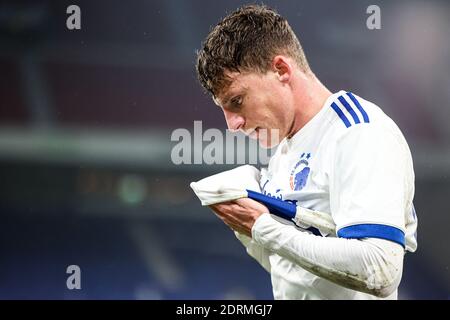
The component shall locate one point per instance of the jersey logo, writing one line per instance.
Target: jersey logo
(299, 175)
(349, 108)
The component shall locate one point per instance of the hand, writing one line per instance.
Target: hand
(240, 215)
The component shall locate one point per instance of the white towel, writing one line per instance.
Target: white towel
(233, 184)
(228, 185)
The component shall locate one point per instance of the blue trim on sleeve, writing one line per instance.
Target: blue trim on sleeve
(380, 231)
(283, 209)
(341, 114)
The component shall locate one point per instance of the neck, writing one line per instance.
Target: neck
(310, 96)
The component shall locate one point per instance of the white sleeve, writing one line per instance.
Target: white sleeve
(255, 250)
(371, 265)
(371, 184)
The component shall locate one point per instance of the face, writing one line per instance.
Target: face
(260, 105)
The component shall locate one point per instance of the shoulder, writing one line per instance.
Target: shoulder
(353, 117)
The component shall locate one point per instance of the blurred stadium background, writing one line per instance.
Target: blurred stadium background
(85, 124)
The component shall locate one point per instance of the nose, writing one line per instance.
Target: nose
(234, 120)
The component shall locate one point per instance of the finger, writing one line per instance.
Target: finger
(252, 204)
(229, 209)
(233, 223)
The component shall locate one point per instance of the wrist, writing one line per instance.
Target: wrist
(259, 222)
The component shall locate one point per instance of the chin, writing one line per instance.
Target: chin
(267, 144)
(264, 145)
(269, 139)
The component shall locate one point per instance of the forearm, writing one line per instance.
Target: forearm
(373, 266)
(255, 250)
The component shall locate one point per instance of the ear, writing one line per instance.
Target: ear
(282, 66)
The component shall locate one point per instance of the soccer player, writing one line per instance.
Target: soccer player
(337, 153)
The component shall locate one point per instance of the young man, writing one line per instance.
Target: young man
(338, 154)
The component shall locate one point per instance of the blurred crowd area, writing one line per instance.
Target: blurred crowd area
(86, 118)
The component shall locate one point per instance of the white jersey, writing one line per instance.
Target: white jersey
(351, 161)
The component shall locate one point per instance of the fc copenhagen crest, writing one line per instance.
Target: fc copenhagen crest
(300, 172)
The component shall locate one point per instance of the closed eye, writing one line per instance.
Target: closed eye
(236, 102)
